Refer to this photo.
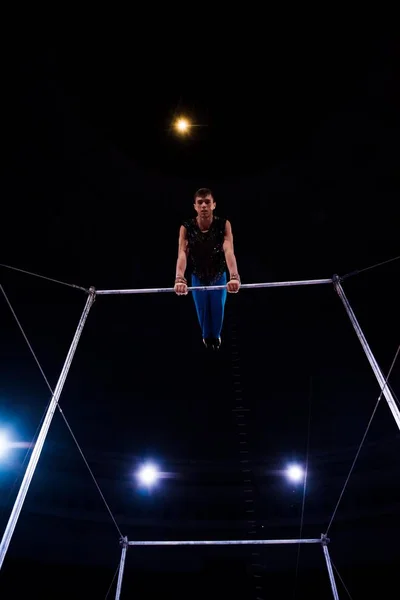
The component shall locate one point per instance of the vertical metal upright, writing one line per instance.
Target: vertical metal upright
(23, 490)
(375, 367)
(324, 542)
(125, 545)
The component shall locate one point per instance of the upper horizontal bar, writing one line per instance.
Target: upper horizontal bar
(218, 287)
(226, 542)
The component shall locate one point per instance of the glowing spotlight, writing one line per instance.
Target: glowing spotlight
(182, 125)
(295, 473)
(4, 444)
(148, 475)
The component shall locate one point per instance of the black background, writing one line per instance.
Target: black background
(298, 139)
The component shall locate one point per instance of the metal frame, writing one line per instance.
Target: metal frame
(37, 449)
(374, 365)
(124, 544)
(323, 540)
(336, 281)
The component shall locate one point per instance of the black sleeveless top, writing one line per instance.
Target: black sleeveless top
(206, 253)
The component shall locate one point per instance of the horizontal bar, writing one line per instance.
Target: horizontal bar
(271, 284)
(226, 542)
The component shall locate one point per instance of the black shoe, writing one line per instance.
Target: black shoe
(212, 343)
(216, 343)
(208, 343)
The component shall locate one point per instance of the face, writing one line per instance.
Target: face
(204, 206)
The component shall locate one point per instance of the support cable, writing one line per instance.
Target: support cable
(362, 441)
(112, 582)
(357, 271)
(341, 580)
(304, 486)
(78, 287)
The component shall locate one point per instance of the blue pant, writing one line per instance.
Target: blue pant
(210, 306)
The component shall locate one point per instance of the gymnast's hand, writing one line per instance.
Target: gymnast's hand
(233, 284)
(180, 286)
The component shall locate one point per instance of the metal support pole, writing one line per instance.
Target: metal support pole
(124, 544)
(375, 367)
(12, 521)
(324, 541)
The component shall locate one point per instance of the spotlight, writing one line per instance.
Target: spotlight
(148, 474)
(4, 443)
(295, 473)
(182, 125)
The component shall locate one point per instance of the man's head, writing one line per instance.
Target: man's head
(204, 203)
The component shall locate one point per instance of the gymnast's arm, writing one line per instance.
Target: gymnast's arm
(181, 263)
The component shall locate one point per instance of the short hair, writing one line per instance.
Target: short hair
(202, 193)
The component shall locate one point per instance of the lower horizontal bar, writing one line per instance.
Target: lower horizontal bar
(270, 284)
(226, 542)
